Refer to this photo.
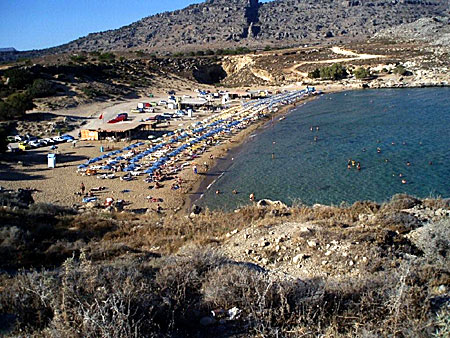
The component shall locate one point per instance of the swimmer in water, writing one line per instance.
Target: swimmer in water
(408, 163)
(404, 182)
(358, 166)
(378, 150)
(234, 192)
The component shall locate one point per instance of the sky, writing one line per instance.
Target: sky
(36, 24)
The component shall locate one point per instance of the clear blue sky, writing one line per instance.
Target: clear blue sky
(36, 24)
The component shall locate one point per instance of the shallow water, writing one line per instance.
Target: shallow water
(408, 125)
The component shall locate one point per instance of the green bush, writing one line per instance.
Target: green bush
(41, 88)
(362, 73)
(5, 90)
(333, 72)
(106, 57)
(315, 74)
(15, 106)
(401, 70)
(18, 78)
(78, 58)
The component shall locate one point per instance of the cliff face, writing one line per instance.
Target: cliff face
(230, 23)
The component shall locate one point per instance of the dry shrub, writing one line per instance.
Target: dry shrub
(29, 296)
(434, 240)
(400, 202)
(268, 304)
(436, 203)
(180, 277)
(47, 209)
(397, 221)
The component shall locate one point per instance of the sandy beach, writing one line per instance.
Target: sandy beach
(62, 185)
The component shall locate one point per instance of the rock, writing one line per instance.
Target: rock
(265, 203)
(92, 205)
(312, 243)
(305, 230)
(235, 231)
(196, 209)
(264, 243)
(207, 321)
(297, 259)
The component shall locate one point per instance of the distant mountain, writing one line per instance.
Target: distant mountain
(8, 50)
(230, 23)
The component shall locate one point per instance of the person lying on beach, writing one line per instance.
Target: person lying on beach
(98, 189)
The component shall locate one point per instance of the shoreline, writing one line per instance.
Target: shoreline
(217, 169)
(58, 186)
(205, 184)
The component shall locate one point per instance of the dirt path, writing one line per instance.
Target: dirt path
(337, 50)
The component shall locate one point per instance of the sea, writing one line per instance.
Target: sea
(400, 137)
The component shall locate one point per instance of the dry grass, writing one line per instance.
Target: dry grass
(129, 275)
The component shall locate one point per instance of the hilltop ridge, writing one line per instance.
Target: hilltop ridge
(223, 24)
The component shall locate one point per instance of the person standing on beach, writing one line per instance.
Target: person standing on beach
(252, 197)
(83, 188)
(194, 169)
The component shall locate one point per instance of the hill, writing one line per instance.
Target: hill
(229, 23)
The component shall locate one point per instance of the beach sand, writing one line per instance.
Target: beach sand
(61, 184)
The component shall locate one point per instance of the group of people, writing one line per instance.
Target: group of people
(353, 164)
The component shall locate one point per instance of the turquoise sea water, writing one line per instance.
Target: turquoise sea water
(408, 125)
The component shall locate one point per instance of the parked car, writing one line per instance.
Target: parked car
(12, 149)
(24, 146)
(58, 139)
(67, 138)
(162, 102)
(120, 117)
(34, 144)
(49, 140)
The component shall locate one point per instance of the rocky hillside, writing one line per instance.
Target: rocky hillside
(229, 23)
(434, 30)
